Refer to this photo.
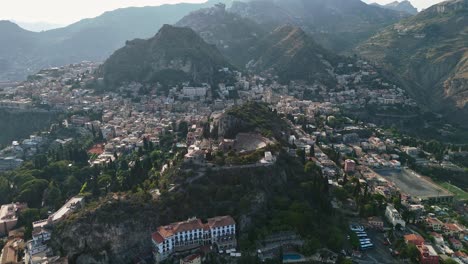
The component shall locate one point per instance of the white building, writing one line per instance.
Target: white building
(192, 234)
(393, 216)
(36, 249)
(69, 207)
(193, 92)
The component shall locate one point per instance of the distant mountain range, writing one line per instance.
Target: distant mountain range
(175, 54)
(24, 52)
(293, 55)
(37, 26)
(287, 51)
(429, 52)
(232, 34)
(338, 25)
(404, 6)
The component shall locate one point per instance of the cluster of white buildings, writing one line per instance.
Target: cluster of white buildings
(37, 250)
(12, 156)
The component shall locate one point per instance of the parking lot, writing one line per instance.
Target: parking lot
(380, 253)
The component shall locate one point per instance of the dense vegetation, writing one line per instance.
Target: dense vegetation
(264, 201)
(255, 116)
(17, 125)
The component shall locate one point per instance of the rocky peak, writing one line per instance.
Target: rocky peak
(173, 54)
(448, 6)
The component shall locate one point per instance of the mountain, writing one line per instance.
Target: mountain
(336, 24)
(292, 55)
(24, 52)
(37, 26)
(232, 34)
(430, 53)
(173, 54)
(404, 6)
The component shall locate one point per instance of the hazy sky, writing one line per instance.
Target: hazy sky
(68, 11)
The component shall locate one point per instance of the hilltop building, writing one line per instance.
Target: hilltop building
(190, 235)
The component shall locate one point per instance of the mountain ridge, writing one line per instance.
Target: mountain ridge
(233, 35)
(293, 55)
(403, 6)
(91, 39)
(429, 52)
(335, 24)
(174, 53)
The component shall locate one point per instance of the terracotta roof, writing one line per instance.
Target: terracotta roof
(414, 239)
(221, 221)
(157, 237)
(434, 221)
(172, 229)
(164, 232)
(452, 227)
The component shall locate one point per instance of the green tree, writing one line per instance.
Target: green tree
(183, 129)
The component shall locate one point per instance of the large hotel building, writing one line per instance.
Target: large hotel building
(192, 234)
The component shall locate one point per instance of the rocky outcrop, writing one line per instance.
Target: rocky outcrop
(117, 231)
(173, 55)
(232, 34)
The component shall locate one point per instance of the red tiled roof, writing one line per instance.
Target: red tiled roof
(164, 232)
(434, 221)
(452, 227)
(172, 229)
(221, 221)
(157, 237)
(414, 239)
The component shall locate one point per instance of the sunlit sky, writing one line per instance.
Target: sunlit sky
(65, 12)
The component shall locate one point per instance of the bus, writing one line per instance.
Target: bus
(367, 246)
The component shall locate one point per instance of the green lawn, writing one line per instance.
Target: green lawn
(459, 193)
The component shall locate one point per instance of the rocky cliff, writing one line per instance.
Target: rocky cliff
(429, 52)
(172, 55)
(232, 34)
(118, 230)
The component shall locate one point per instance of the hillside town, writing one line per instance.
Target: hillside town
(401, 205)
